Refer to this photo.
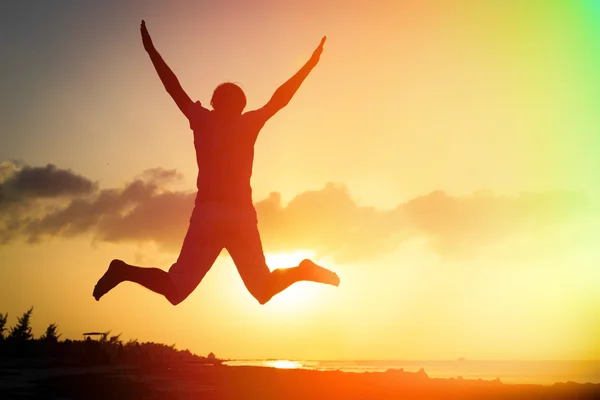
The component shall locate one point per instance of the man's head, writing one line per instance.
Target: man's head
(229, 99)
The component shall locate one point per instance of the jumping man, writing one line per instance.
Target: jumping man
(223, 215)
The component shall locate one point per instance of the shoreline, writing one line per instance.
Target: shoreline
(180, 381)
(537, 372)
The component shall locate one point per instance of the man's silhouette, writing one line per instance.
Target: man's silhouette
(223, 215)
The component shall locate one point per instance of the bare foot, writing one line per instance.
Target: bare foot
(111, 278)
(320, 274)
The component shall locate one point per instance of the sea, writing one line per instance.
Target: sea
(509, 372)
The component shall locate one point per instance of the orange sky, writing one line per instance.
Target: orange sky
(443, 160)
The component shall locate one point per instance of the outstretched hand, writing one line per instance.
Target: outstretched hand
(317, 53)
(146, 39)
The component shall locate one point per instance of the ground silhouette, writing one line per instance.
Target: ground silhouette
(48, 349)
(108, 368)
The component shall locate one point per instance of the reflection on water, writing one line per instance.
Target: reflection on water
(283, 364)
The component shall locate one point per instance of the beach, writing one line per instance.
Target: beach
(195, 381)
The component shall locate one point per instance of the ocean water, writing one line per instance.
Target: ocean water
(511, 372)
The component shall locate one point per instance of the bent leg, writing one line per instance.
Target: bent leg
(245, 248)
(192, 265)
(200, 249)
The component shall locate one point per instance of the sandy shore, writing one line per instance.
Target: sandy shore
(191, 381)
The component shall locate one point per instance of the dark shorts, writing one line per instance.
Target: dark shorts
(213, 227)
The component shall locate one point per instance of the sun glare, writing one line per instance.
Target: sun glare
(300, 295)
(287, 259)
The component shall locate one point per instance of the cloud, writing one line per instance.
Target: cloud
(332, 223)
(40, 182)
(26, 193)
(328, 221)
(141, 211)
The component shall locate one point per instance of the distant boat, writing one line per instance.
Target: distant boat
(461, 359)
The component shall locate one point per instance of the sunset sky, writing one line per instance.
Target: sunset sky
(443, 158)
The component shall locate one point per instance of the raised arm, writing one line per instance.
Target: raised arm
(166, 75)
(285, 92)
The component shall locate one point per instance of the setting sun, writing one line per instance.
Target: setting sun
(287, 259)
(300, 296)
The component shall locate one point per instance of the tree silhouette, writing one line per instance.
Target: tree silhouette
(22, 331)
(20, 343)
(51, 334)
(115, 339)
(3, 318)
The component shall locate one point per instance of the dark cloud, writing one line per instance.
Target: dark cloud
(328, 221)
(141, 211)
(41, 182)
